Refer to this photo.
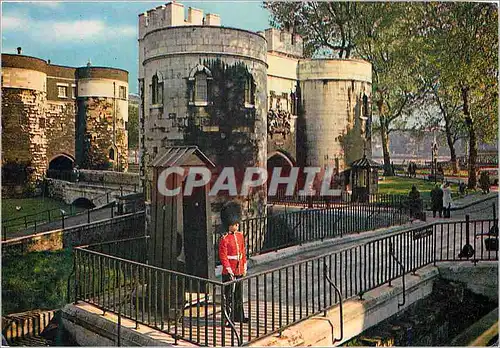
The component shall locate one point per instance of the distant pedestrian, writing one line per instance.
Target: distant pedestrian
(447, 201)
(409, 169)
(415, 202)
(437, 201)
(462, 188)
(413, 172)
(484, 182)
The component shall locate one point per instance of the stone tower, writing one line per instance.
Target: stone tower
(41, 127)
(335, 111)
(202, 84)
(101, 136)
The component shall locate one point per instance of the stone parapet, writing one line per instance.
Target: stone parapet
(203, 40)
(335, 69)
(173, 14)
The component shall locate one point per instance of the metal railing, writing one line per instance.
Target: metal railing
(57, 218)
(273, 232)
(316, 201)
(25, 325)
(189, 307)
(36, 219)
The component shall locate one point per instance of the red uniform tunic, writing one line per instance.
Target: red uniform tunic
(232, 253)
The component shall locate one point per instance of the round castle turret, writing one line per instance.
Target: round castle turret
(335, 100)
(101, 119)
(202, 84)
(24, 97)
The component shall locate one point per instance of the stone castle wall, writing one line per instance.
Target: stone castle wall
(60, 129)
(175, 55)
(39, 121)
(317, 110)
(23, 136)
(100, 130)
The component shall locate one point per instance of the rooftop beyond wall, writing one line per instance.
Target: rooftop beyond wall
(285, 42)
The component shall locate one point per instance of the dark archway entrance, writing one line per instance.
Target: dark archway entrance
(279, 160)
(83, 202)
(61, 167)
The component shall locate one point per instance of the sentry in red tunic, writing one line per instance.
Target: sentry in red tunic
(232, 254)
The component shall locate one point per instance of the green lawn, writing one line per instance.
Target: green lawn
(398, 185)
(30, 206)
(33, 211)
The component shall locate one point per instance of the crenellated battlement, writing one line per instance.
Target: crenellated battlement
(284, 42)
(173, 14)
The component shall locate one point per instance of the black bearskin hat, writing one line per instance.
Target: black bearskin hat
(230, 214)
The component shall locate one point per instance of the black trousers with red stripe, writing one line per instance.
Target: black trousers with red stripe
(234, 298)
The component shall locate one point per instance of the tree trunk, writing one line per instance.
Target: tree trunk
(451, 145)
(385, 148)
(472, 157)
(472, 140)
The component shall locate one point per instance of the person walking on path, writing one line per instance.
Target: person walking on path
(447, 201)
(415, 202)
(232, 255)
(484, 182)
(437, 201)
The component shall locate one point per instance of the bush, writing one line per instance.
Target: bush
(37, 280)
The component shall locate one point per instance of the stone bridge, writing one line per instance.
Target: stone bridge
(87, 193)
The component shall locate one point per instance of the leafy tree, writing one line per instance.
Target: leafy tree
(462, 45)
(440, 109)
(133, 126)
(325, 26)
(377, 32)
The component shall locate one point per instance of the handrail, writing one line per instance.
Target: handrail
(391, 252)
(226, 315)
(325, 272)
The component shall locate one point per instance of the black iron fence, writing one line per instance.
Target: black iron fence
(66, 175)
(36, 219)
(273, 232)
(191, 308)
(58, 218)
(54, 219)
(317, 201)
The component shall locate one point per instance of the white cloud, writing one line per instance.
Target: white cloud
(52, 4)
(11, 50)
(13, 23)
(57, 31)
(77, 30)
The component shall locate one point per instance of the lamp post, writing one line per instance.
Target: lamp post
(434, 159)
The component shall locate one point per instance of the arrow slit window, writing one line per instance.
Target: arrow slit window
(201, 88)
(156, 91)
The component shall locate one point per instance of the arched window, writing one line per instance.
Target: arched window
(366, 112)
(112, 154)
(199, 84)
(201, 88)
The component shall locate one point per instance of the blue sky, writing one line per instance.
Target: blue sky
(71, 33)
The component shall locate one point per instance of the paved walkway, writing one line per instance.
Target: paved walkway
(477, 206)
(70, 221)
(289, 285)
